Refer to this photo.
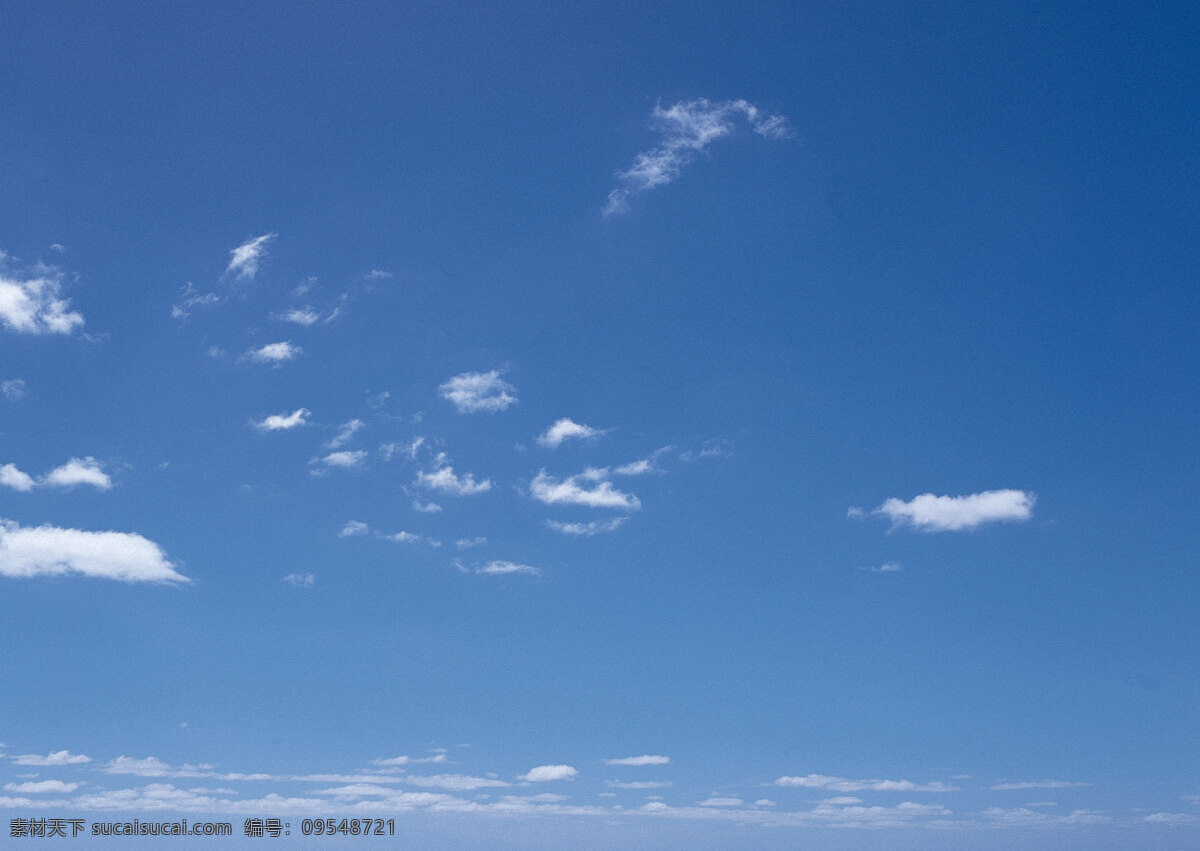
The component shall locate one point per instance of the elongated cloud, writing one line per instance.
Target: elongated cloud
(446, 481)
(274, 353)
(50, 551)
(687, 129)
(245, 258)
(479, 392)
(547, 773)
(280, 422)
(499, 568)
(841, 784)
(566, 429)
(569, 492)
(593, 527)
(52, 759)
(930, 513)
(646, 759)
(343, 460)
(344, 434)
(35, 305)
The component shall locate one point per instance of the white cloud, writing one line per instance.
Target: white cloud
(455, 782)
(687, 128)
(301, 316)
(445, 481)
(343, 460)
(78, 471)
(474, 392)
(300, 580)
(276, 422)
(467, 543)
(593, 527)
(41, 787)
(14, 389)
(377, 274)
(52, 551)
(645, 759)
(426, 507)
(568, 492)
(1037, 784)
(547, 773)
(566, 429)
(841, 784)
(889, 567)
(245, 258)
(402, 538)
(497, 568)
(274, 353)
(192, 298)
(51, 759)
(353, 527)
(640, 784)
(13, 478)
(930, 513)
(722, 802)
(34, 305)
(346, 432)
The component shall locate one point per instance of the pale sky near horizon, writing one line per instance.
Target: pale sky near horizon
(769, 425)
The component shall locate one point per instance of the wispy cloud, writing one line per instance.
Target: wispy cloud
(569, 492)
(566, 429)
(343, 460)
(479, 392)
(500, 568)
(446, 481)
(842, 784)
(190, 297)
(467, 543)
(593, 527)
(426, 507)
(301, 316)
(640, 784)
(274, 353)
(347, 431)
(279, 422)
(14, 389)
(645, 759)
(244, 259)
(352, 528)
(300, 580)
(687, 128)
(51, 551)
(33, 303)
(930, 513)
(1037, 784)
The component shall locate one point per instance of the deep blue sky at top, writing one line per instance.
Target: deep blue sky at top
(972, 266)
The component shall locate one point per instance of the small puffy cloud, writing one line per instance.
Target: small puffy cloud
(842, 784)
(402, 537)
(593, 527)
(446, 481)
(1037, 784)
(300, 580)
(52, 759)
(14, 478)
(479, 392)
(245, 258)
(568, 492)
(377, 275)
(41, 787)
(346, 432)
(930, 513)
(274, 353)
(301, 316)
(51, 551)
(547, 773)
(499, 568)
(278, 422)
(687, 129)
(343, 460)
(722, 802)
(34, 304)
(645, 759)
(566, 429)
(353, 527)
(889, 567)
(78, 471)
(426, 507)
(467, 543)
(14, 389)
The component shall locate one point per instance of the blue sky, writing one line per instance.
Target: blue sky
(748, 426)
